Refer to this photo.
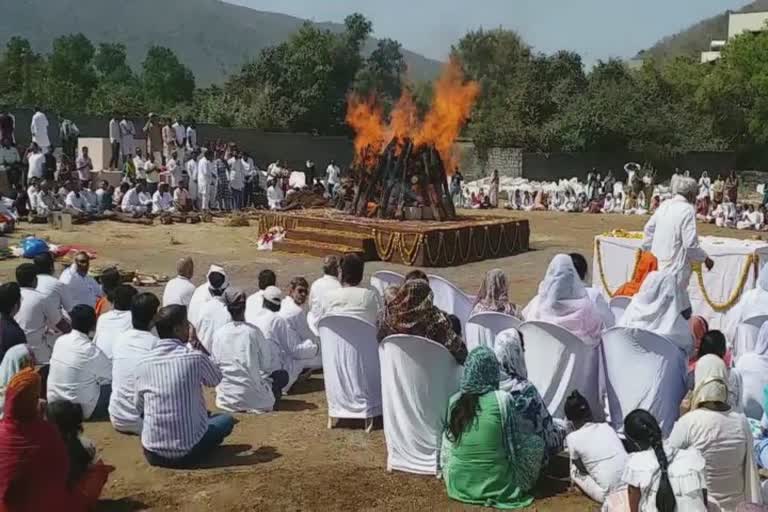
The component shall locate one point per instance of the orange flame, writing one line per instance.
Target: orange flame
(451, 106)
(367, 119)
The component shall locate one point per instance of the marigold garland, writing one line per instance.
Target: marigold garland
(601, 271)
(735, 295)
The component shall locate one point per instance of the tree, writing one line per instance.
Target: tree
(21, 71)
(383, 72)
(165, 79)
(112, 65)
(72, 76)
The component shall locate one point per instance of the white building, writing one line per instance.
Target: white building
(738, 23)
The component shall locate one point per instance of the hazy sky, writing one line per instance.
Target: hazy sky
(597, 29)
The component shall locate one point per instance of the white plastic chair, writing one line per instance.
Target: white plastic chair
(643, 371)
(418, 376)
(482, 328)
(450, 299)
(618, 305)
(746, 334)
(351, 368)
(558, 363)
(383, 279)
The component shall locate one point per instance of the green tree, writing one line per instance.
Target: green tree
(165, 79)
(72, 76)
(383, 72)
(112, 64)
(21, 71)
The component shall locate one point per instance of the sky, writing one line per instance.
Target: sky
(596, 29)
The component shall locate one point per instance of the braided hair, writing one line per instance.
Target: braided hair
(641, 427)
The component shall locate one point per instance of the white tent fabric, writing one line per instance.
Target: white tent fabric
(449, 298)
(383, 279)
(746, 335)
(350, 367)
(418, 376)
(482, 328)
(618, 305)
(657, 369)
(558, 363)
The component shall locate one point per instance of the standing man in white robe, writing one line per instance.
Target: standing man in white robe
(329, 281)
(292, 309)
(191, 167)
(206, 180)
(180, 289)
(671, 234)
(127, 134)
(39, 129)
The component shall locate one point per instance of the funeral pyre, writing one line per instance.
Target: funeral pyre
(403, 162)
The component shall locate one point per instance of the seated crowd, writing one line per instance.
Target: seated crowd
(148, 362)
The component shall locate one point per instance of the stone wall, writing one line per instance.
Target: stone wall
(508, 161)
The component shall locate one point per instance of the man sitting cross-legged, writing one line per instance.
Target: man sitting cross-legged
(177, 431)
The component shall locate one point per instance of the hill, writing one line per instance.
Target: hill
(695, 39)
(212, 37)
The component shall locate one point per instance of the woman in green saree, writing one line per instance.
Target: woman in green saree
(485, 459)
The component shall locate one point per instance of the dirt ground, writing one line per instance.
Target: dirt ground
(289, 460)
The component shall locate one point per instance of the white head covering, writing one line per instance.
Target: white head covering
(215, 269)
(16, 358)
(508, 348)
(563, 301)
(711, 377)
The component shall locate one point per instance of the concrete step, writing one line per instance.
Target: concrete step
(314, 248)
(361, 241)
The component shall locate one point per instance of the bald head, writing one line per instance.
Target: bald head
(185, 267)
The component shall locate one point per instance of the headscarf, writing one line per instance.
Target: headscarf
(562, 300)
(657, 308)
(22, 396)
(711, 379)
(412, 312)
(493, 294)
(481, 372)
(645, 265)
(216, 269)
(15, 359)
(509, 351)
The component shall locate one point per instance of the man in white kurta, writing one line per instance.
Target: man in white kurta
(180, 289)
(671, 235)
(216, 279)
(291, 350)
(352, 299)
(81, 287)
(255, 302)
(111, 325)
(329, 281)
(191, 167)
(213, 316)
(162, 201)
(206, 180)
(292, 309)
(244, 357)
(39, 129)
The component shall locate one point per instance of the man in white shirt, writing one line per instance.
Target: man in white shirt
(177, 431)
(75, 202)
(39, 129)
(292, 309)
(114, 141)
(112, 324)
(129, 349)
(275, 196)
(48, 285)
(292, 351)
(36, 160)
(181, 138)
(236, 175)
(245, 357)
(255, 302)
(192, 178)
(46, 201)
(179, 290)
(181, 199)
(39, 315)
(162, 202)
(80, 372)
(580, 263)
(213, 316)
(329, 281)
(173, 170)
(351, 298)
(671, 235)
(127, 133)
(333, 176)
(206, 180)
(84, 167)
(215, 281)
(138, 164)
(82, 288)
(152, 174)
(191, 137)
(135, 201)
